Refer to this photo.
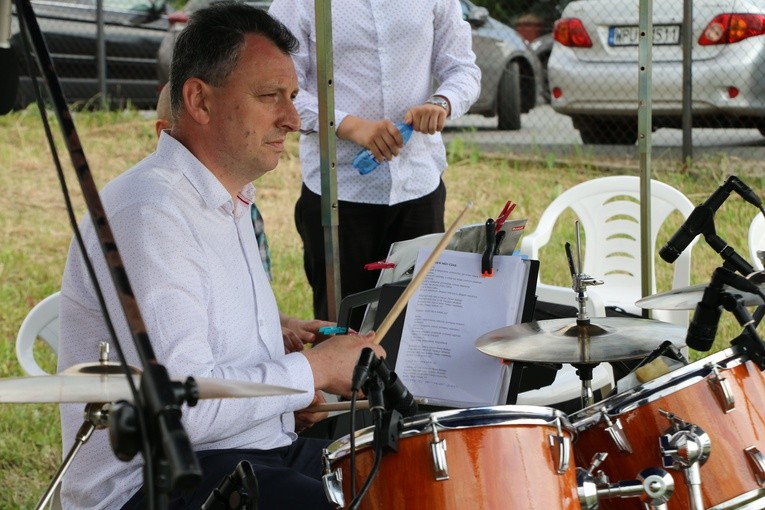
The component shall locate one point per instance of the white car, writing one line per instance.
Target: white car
(593, 67)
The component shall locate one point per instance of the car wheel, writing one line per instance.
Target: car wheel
(599, 131)
(509, 98)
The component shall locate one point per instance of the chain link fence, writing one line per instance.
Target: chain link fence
(104, 51)
(588, 104)
(588, 55)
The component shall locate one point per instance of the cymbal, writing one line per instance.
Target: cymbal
(81, 384)
(563, 341)
(686, 298)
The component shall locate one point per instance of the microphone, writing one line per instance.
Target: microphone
(745, 192)
(237, 490)
(9, 78)
(703, 327)
(702, 215)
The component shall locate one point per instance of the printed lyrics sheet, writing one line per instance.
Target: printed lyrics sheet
(455, 305)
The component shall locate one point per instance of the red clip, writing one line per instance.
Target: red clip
(380, 264)
(509, 206)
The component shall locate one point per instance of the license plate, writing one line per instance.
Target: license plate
(630, 36)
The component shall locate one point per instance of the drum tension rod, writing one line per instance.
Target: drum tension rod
(438, 453)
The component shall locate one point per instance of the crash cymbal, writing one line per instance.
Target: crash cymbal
(686, 298)
(79, 385)
(563, 341)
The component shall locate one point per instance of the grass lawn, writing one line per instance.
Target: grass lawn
(36, 236)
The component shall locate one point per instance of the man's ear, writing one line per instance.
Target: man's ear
(196, 94)
(160, 125)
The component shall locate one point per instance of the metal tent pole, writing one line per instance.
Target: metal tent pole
(644, 145)
(328, 158)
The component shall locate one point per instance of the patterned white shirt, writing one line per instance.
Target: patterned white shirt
(193, 263)
(387, 56)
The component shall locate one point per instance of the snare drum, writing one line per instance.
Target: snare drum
(716, 404)
(484, 458)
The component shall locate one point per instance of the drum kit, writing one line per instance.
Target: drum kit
(692, 438)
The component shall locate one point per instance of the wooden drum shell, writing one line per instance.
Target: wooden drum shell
(727, 474)
(490, 467)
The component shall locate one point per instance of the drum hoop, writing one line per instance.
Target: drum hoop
(456, 419)
(660, 387)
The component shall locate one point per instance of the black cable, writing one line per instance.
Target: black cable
(377, 460)
(24, 29)
(353, 445)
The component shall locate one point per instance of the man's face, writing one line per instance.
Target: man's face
(253, 112)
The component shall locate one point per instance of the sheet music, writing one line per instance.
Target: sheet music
(455, 305)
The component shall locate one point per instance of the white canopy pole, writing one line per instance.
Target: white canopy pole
(644, 144)
(328, 158)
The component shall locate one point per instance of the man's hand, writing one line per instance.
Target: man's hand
(427, 118)
(381, 137)
(307, 419)
(332, 361)
(296, 333)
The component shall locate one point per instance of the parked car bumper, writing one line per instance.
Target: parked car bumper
(611, 88)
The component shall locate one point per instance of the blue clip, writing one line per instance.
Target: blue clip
(333, 330)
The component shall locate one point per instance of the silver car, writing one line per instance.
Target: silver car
(593, 68)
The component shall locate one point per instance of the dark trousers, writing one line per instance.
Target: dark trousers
(288, 477)
(365, 233)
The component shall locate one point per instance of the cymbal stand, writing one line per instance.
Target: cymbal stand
(579, 282)
(96, 418)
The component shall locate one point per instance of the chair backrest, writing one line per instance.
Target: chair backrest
(608, 209)
(40, 322)
(757, 239)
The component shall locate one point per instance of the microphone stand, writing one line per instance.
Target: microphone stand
(96, 418)
(158, 404)
(748, 340)
(731, 259)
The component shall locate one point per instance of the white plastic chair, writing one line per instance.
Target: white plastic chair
(608, 209)
(40, 322)
(756, 239)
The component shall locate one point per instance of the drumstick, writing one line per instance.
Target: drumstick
(418, 278)
(345, 406)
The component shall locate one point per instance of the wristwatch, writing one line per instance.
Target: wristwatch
(439, 101)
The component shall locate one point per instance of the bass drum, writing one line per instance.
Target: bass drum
(483, 458)
(712, 409)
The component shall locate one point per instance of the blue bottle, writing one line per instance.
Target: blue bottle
(365, 162)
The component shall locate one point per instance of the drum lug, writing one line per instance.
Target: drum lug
(332, 481)
(438, 454)
(721, 389)
(683, 448)
(616, 431)
(757, 462)
(560, 446)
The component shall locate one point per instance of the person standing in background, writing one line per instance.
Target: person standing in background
(394, 60)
